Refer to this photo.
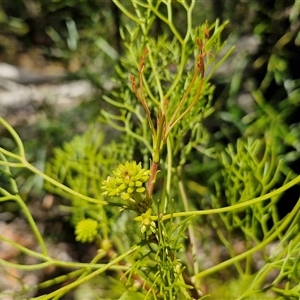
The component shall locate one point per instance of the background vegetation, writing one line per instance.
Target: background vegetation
(254, 121)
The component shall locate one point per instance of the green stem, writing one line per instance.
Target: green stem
(127, 13)
(190, 227)
(25, 267)
(59, 279)
(10, 164)
(239, 257)
(164, 19)
(182, 101)
(234, 207)
(15, 136)
(25, 164)
(152, 180)
(49, 260)
(33, 169)
(76, 283)
(192, 104)
(169, 176)
(183, 48)
(156, 76)
(28, 216)
(10, 154)
(158, 143)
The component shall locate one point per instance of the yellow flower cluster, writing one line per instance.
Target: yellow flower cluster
(128, 180)
(147, 223)
(127, 183)
(86, 230)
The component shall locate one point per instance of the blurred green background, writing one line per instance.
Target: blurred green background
(81, 40)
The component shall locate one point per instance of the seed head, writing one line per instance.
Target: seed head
(86, 230)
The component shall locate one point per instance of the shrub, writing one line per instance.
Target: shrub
(173, 213)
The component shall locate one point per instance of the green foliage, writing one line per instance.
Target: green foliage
(157, 116)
